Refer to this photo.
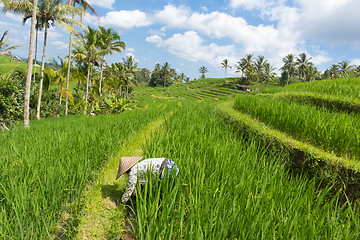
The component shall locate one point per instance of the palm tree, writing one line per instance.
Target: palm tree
(4, 45)
(166, 70)
(29, 67)
(289, 66)
(48, 12)
(344, 68)
(251, 74)
(84, 5)
(182, 77)
(87, 52)
(117, 77)
(225, 64)
(269, 73)
(311, 73)
(334, 71)
(247, 61)
(259, 66)
(260, 63)
(109, 42)
(302, 62)
(130, 68)
(240, 67)
(357, 71)
(203, 70)
(60, 73)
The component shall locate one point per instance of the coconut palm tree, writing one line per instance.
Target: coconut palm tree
(166, 71)
(29, 66)
(225, 64)
(260, 63)
(109, 42)
(85, 6)
(4, 45)
(289, 66)
(117, 77)
(334, 71)
(248, 61)
(302, 62)
(49, 13)
(259, 66)
(240, 67)
(203, 70)
(87, 52)
(182, 77)
(344, 68)
(268, 72)
(60, 74)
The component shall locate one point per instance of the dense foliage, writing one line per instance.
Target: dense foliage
(11, 97)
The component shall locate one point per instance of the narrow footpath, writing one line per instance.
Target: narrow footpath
(103, 216)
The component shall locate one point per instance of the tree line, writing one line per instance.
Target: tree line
(257, 70)
(83, 81)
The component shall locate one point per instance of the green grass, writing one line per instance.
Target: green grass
(336, 103)
(210, 89)
(347, 87)
(332, 131)
(44, 169)
(229, 188)
(6, 65)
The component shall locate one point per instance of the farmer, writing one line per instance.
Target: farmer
(133, 167)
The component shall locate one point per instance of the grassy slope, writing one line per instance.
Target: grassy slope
(210, 89)
(6, 65)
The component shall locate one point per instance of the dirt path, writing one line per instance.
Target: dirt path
(103, 216)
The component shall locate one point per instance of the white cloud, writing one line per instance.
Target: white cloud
(274, 43)
(124, 19)
(130, 49)
(329, 21)
(173, 16)
(326, 21)
(191, 46)
(16, 17)
(103, 3)
(204, 8)
(248, 4)
(355, 61)
(321, 59)
(60, 44)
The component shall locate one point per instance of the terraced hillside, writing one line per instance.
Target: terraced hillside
(319, 120)
(202, 89)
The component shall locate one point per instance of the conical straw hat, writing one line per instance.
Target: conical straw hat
(126, 163)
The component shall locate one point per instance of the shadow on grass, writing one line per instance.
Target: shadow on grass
(112, 191)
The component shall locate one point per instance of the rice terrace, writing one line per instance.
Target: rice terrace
(260, 151)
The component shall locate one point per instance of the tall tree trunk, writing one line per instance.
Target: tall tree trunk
(41, 74)
(34, 65)
(87, 88)
(61, 93)
(77, 91)
(29, 67)
(68, 73)
(101, 76)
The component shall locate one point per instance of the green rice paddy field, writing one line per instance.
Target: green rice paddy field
(231, 184)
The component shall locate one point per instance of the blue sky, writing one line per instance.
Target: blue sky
(190, 34)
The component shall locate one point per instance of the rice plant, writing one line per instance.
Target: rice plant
(346, 87)
(229, 188)
(44, 169)
(333, 131)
